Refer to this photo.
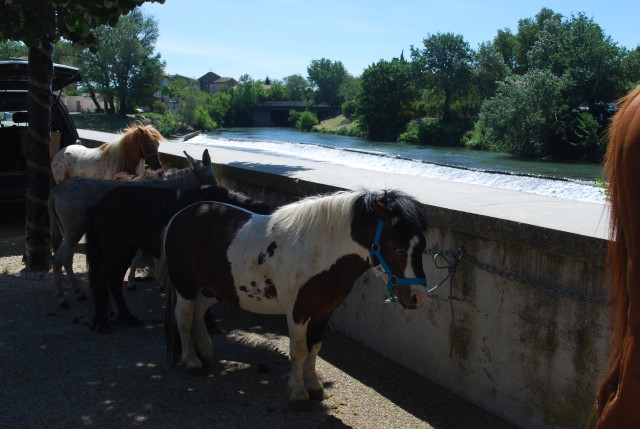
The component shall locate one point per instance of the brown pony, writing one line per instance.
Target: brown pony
(138, 144)
(618, 397)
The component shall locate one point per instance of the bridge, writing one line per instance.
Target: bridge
(276, 113)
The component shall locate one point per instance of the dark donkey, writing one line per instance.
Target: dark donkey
(131, 218)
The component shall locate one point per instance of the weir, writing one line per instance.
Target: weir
(519, 328)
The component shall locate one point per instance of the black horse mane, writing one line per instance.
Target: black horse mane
(401, 205)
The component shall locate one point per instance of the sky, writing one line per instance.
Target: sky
(279, 38)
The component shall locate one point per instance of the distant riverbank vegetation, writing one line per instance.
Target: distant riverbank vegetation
(547, 89)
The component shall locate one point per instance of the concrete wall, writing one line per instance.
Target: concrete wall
(518, 330)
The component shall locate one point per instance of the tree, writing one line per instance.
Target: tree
(490, 69)
(247, 94)
(39, 24)
(444, 66)
(386, 90)
(326, 76)
(12, 49)
(123, 66)
(528, 116)
(297, 88)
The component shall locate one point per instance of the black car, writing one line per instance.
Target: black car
(14, 123)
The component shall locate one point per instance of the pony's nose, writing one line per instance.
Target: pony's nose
(418, 299)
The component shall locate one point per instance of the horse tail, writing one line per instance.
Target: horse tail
(171, 333)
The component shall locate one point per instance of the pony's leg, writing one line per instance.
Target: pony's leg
(311, 381)
(131, 278)
(298, 353)
(199, 332)
(115, 273)
(184, 319)
(63, 257)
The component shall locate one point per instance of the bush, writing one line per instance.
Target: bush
(294, 115)
(431, 131)
(348, 109)
(306, 121)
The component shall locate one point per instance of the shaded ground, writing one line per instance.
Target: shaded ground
(55, 372)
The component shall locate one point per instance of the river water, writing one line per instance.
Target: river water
(563, 180)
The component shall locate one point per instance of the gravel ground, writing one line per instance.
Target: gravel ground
(55, 372)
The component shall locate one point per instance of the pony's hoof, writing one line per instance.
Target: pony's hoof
(196, 372)
(81, 297)
(64, 304)
(301, 405)
(316, 395)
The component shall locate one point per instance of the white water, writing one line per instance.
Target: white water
(576, 189)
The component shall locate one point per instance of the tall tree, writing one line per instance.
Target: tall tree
(297, 88)
(386, 89)
(123, 66)
(39, 24)
(326, 76)
(444, 66)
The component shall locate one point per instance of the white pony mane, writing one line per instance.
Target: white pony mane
(328, 214)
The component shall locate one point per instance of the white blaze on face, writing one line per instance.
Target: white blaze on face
(417, 291)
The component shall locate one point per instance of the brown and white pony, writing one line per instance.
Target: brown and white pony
(618, 397)
(137, 146)
(301, 261)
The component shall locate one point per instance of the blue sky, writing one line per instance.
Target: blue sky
(279, 38)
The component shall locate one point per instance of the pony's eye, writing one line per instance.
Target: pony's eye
(401, 252)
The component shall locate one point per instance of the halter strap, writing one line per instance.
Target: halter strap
(374, 251)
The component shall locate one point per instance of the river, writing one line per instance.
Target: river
(563, 180)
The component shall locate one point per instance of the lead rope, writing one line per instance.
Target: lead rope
(451, 268)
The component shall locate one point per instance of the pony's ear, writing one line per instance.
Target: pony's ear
(385, 209)
(192, 162)
(206, 158)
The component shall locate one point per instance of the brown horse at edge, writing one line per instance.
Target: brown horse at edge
(618, 397)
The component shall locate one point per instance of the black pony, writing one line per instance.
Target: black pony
(131, 218)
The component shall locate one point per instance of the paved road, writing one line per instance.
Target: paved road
(55, 372)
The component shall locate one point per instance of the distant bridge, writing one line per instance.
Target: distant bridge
(276, 113)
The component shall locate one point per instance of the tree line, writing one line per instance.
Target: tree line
(544, 91)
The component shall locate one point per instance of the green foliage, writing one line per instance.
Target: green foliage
(434, 132)
(277, 91)
(122, 65)
(297, 88)
(527, 116)
(589, 144)
(166, 123)
(348, 109)
(244, 98)
(444, 65)
(35, 22)
(306, 121)
(12, 49)
(386, 91)
(294, 116)
(326, 77)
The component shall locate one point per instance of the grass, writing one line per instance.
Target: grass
(337, 125)
(101, 122)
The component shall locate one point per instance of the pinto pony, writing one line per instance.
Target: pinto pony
(137, 146)
(301, 261)
(618, 397)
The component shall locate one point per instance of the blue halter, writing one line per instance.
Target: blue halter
(374, 251)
